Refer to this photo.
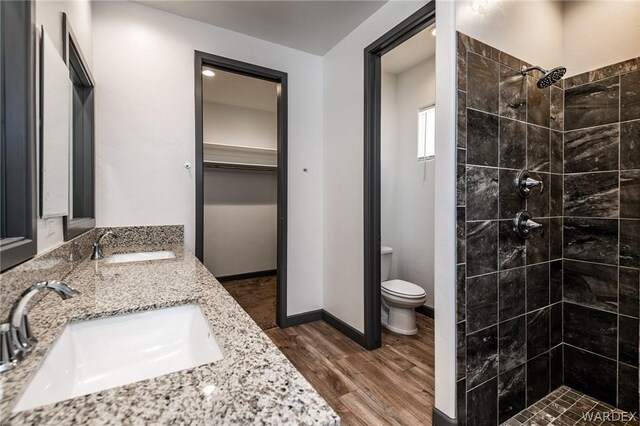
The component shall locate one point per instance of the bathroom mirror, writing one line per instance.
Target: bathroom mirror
(55, 116)
(81, 215)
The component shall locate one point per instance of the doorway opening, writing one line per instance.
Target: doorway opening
(241, 182)
(417, 31)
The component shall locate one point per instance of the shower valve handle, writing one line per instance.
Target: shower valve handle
(525, 184)
(523, 225)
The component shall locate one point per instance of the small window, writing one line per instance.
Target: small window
(427, 133)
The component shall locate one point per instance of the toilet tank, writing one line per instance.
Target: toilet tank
(385, 263)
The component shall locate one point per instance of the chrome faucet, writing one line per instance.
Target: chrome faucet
(525, 184)
(97, 246)
(16, 339)
(523, 225)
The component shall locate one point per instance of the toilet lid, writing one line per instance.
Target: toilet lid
(403, 289)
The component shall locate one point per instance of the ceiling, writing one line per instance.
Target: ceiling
(310, 26)
(241, 91)
(410, 53)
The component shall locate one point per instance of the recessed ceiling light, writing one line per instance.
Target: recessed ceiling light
(208, 73)
(433, 32)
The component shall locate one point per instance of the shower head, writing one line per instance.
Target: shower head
(550, 76)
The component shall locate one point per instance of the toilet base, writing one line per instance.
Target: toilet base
(400, 320)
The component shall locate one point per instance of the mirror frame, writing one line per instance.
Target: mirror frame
(76, 226)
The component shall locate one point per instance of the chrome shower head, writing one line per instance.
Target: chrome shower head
(549, 78)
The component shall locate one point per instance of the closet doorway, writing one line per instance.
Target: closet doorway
(241, 182)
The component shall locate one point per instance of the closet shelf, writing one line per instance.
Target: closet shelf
(222, 155)
(239, 166)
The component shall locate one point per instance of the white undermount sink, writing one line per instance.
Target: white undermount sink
(94, 355)
(141, 256)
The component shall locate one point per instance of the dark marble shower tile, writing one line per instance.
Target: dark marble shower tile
(628, 340)
(555, 281)
(538, 244)
(512, 343)
(482, 138)
(557, 109)
(613, 70)
(591, 194)
(461, 350)
(482, 247)
(512, 393)
(483, 77)
(461, 239)
(555, 367)
(630, 96)
(538, 201)
(482, 302)
(510, 247)
(556, 196)
(510, 61)
(537, 332)
(513, 144)
(629, 292)
(538, 148)
(555, 238)
(555, 327)
(462, 120)
(538, 104)
(461, 293)
(591, 150)
(482, 356)
(630, 243)
(461, 185)
(591, 284)
(482, 409)
(513, 94)
(537, 286)
(591, 329)
(591, 104)
(630, 145)
(511, 293)
(537, 378)
(461, 60)
(591, 374)
(510, 203)
(630, 194)
(557, 149)
(594, 240)
(482, 193)
(461, 401)
(628, 388)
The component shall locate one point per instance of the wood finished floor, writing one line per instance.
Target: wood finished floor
(257, 296)
(393, 385)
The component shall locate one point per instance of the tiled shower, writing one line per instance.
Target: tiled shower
(560, 307)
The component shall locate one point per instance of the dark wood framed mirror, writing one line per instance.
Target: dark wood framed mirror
(81, 216)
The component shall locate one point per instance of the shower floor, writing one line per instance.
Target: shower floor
(568, 407)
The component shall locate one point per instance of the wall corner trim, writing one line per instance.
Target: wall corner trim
(441, 419)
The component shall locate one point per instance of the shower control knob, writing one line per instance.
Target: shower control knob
(525, 184)
(523, 225)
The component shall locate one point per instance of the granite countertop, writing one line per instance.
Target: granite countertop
(254, 383)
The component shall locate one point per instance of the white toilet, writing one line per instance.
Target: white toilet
(399, 298)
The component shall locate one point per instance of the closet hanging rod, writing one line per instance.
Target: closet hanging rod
(240, 166)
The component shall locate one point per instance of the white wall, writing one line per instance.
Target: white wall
(145, 129)
(233, 125)
(530, 30)
(388, 164)
(410, 202)
(600, 33)
(343, 83)
(240, 221)
(49, 15)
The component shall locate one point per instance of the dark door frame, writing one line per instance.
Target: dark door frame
(411, 26)
(279, 77)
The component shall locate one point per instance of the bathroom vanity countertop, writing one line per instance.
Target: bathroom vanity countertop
(253, 384)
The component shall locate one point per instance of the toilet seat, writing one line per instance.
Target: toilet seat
(404, 289)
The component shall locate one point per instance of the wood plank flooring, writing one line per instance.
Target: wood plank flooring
(393, 385)
(257, 296)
